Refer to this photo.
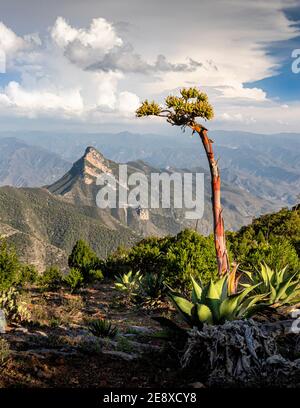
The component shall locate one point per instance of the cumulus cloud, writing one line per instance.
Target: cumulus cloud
(101, 72)
(99, 48)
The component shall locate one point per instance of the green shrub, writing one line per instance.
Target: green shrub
(74, 280)
(52, 278)
(175, 258)
(84, 259)
(10, 266)
(28, 274)
(102, 328)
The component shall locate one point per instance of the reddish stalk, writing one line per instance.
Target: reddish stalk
(219, 230)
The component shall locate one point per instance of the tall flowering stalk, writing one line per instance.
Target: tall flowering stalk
(182, 111)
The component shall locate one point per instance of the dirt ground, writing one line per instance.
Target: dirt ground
(56, 350)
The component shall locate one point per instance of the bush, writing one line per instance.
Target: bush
(172, 258)
(10, 266)
(86, 261)
(14, 306)
(28, 274)
(74, 280)
(52, 278)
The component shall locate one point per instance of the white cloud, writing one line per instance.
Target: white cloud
(85, 46)
(9, 41)
(93, 74)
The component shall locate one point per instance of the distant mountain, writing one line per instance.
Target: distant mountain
(267, 166)
(44, 223)
(78, 186)
(23, 165)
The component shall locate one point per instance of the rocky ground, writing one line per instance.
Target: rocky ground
(57, 349)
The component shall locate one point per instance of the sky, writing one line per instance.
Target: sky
(86, 65)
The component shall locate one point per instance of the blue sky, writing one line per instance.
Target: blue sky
(87, 66)
(285, 85)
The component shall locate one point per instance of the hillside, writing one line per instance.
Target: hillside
(23, 165)
(44, 228)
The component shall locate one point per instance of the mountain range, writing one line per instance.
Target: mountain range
(47, 203)
(267, 166)
(45, 222)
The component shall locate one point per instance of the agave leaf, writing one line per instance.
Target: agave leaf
(182, 305)
(273, 293)
(219, 286)
(282, 290)
(196, 292)
(227, 307)
(204, 314)
(241, 295)
(246, 306)
(264, 274)
(214, 292)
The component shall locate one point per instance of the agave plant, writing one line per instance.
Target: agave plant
(129, 283)
(279, 286)
(102, 328)
(217, 302)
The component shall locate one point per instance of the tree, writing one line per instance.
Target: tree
(182, 111)
(83, 258)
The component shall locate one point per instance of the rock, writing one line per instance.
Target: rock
(197, 385)
(121, 354)
(141, 329)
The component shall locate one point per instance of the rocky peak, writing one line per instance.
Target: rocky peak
(93, 163)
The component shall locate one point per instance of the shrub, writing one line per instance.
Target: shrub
(28, 274)
(176, 258)
(52, 278)
(84, 259)
(9, 266)
(96, 275)
(102, 328)
(74, 280)
(14, 306)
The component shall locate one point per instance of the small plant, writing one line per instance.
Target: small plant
(52, 278)
(4, 351)
(153, 285)
(96, 275)
(217, 302)
(129, 284)
(102, 328)
(28, 274)
(151, 290)
(74, 280)
(279, 286)
(14, 306)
